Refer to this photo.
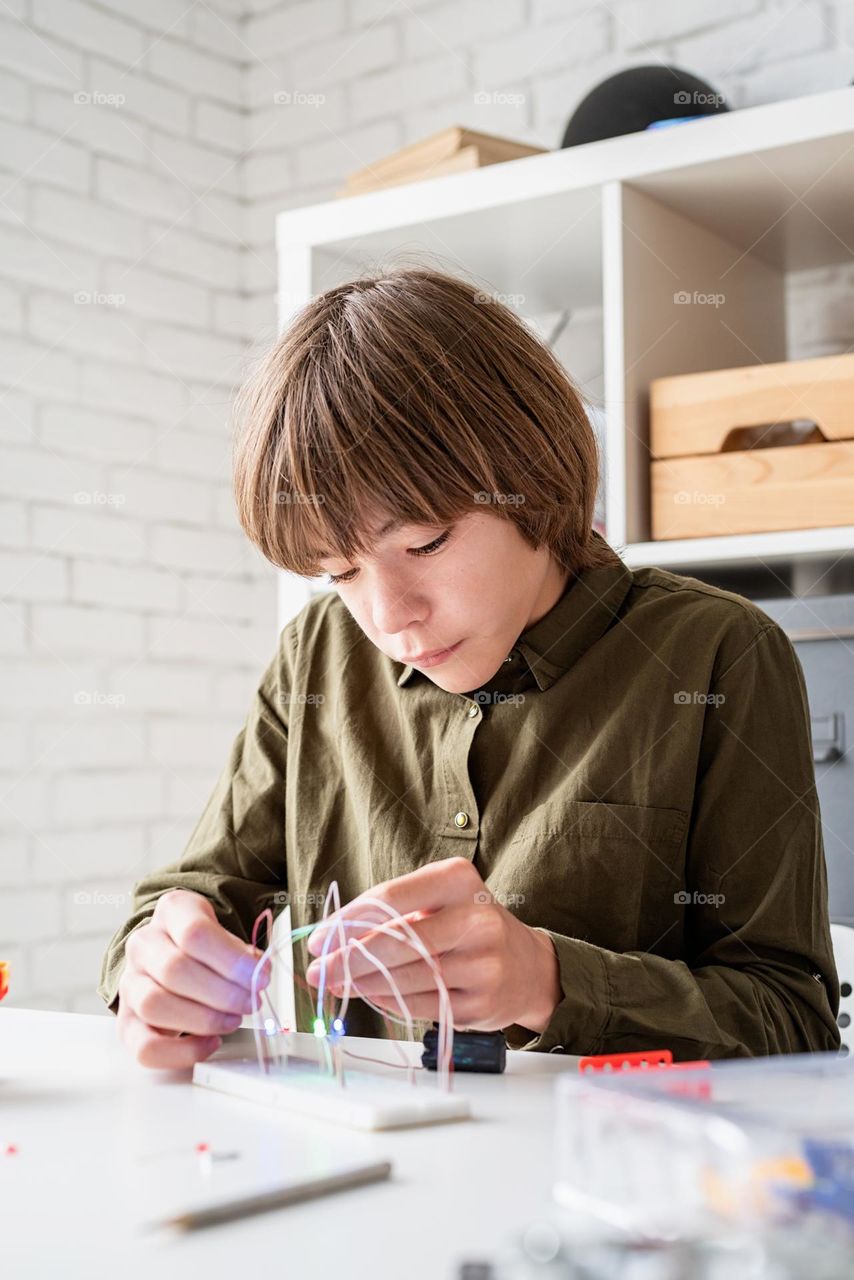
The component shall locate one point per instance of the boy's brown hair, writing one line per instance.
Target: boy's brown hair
(412, 395)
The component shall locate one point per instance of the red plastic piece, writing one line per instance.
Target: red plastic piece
(202, 1147)
(650, 1060)
(641, 1061)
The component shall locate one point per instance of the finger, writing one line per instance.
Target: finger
(159, 957)
(467, 1013)
(160, 1008)
(413, 979)
(423, 1005)
(153, 1048)
(358, 922)
(455, 928)
(196, 931)
(428, 888)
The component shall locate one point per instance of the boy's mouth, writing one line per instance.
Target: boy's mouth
(431, 657)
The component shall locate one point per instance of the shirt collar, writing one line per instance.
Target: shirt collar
(588, 606)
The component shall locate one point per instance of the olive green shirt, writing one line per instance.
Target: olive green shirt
(637, 781)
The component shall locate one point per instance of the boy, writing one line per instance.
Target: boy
(592, 786)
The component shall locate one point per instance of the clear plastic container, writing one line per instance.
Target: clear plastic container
(741, 1144)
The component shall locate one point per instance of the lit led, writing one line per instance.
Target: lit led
(338, 1027)
(319, 1027)
(269, 1026)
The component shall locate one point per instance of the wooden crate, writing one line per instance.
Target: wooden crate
(717, 467)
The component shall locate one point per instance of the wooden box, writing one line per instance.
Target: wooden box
(753, 450)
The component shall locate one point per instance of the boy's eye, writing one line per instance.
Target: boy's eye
(341, 577)
(431, 546)
(426, 550)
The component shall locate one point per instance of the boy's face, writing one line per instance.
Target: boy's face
(473, 591)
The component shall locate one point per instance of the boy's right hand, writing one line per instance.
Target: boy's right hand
(185, 973)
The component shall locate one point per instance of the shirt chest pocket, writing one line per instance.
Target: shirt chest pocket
(611, 874)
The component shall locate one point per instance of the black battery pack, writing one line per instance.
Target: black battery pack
(473, 1050)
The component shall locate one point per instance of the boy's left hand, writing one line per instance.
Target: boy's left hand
(498, 971)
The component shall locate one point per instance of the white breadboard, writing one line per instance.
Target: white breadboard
(364, 1101)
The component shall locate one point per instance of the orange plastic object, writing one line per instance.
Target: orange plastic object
(626, 1061)
(4, 978)
(646, 1060)
(636, 1061)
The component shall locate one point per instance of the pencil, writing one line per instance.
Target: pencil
(293, 1194)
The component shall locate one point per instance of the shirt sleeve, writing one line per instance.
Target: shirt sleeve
(758, 975)
(235, 856)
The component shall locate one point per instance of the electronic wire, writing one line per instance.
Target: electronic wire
(391, 927)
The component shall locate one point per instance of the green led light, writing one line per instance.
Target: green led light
(319, 1027)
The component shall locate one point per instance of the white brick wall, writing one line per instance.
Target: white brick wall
(144, 152)
(127, 590)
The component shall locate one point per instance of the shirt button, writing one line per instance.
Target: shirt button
(461, 819)
(472, 711)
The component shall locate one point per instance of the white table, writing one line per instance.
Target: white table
(85, 1119)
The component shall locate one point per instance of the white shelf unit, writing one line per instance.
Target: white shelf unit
(723, 205)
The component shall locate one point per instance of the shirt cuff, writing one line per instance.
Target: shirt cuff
(578, 1021)
(112, 967)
